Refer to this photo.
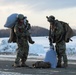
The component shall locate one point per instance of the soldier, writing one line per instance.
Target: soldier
(22, 38)
(56, 35)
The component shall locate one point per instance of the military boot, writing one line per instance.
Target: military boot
(65, 65)
(59, 64)
(23, 63)
(16, 65)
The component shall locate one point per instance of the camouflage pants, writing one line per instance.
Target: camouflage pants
(22, 50)
(61, 52)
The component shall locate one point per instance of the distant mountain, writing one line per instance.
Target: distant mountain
(39, 31)
(74, 31)
(4, 32)
(35, 31)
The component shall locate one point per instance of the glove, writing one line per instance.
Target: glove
(67, 40)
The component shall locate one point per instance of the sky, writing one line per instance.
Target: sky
(37, 10)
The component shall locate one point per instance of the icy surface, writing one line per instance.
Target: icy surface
(39, 48)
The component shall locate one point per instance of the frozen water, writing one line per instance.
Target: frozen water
(39, 48)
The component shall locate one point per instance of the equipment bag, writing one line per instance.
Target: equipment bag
(10, 22)
(51, 57)
(41, 64)
(68, 31)
(12, 37)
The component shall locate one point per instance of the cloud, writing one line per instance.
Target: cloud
(50, 4)
(41, 5)
(37, 10)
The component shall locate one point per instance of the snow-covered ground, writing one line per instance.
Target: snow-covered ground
(39, 48)
(11, 73)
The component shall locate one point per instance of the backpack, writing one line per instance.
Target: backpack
(12, 37)
(41, 64)
(68, 32)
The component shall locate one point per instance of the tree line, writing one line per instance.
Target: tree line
(34, 31)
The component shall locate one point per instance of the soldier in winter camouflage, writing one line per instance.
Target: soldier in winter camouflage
(56, 35)
(22, 38)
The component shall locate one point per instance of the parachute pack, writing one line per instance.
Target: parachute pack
(51, 57)
(11, 19)
(68, 31)
(41, 64)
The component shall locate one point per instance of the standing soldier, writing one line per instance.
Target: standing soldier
(56, 35)
(22, 38)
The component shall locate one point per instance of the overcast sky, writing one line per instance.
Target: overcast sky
(37, 10)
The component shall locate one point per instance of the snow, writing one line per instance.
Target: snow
(11, 73)
(39, 48)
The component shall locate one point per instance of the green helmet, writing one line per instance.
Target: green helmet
(51, 18)
(20, 16)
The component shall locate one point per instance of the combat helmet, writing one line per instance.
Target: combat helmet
(20, 16)
(51, 18)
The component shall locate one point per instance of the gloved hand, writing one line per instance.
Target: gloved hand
(52, 46)
(32, 42)
(67, 40)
